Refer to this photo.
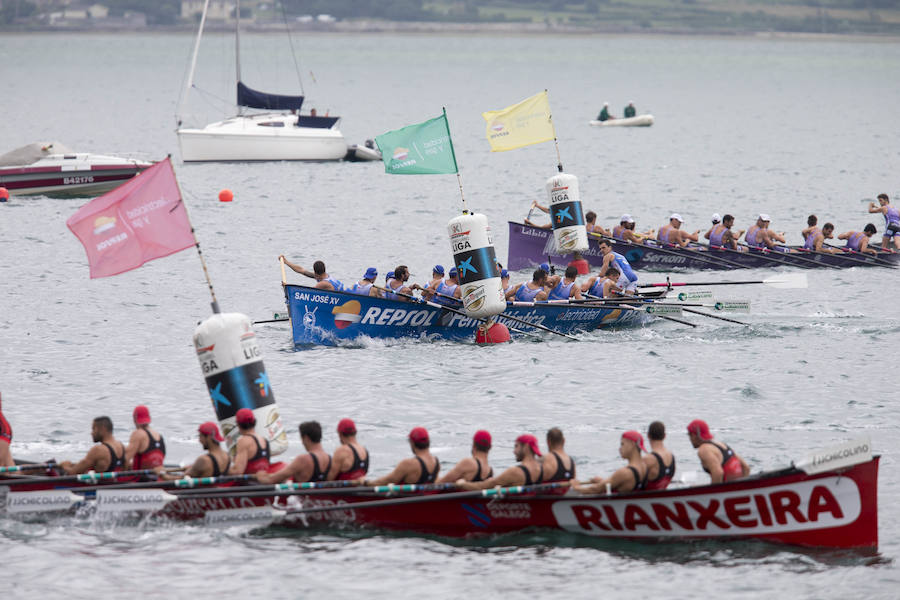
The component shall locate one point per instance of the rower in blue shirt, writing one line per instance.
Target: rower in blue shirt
(627, 278)
(323, 280)
(567, 286)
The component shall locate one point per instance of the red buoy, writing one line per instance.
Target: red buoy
(581, 265)
(4, 194)
(495, 333)
(226, 196)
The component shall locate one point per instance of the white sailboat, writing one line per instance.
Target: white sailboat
(281, 133)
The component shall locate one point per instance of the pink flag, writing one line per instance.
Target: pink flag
(138, 221)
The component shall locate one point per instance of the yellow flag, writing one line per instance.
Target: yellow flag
(522, 124)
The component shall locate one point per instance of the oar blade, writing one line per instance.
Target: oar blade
(788, 281)
(256, 516)
(42, 501)
(662, 309)
(129, 500)
(739, 306)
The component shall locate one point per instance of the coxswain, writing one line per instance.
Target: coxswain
(6, 459)
(108, 453)
(214, 463)
(590, 223)
(366, 285)
(858, 241)
(323, 280)
(603, 286)
(630, 110)
(422, 467)
(351, 459)
(557, 465)
(567, 286)
(604, 113)
(396, 285)
(660, 462)
(891, 222)
(526, 472)
(627, 277)
(531, 291)
(630, 478)
(475, 467)
(717, 458)
(312, 466)
(625, 231)
(146, 447)
(815, 239)
(252, 452)
(673, 235)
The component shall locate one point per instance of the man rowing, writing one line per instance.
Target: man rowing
(590, 223)
(721, 236)
(214, 463)
(891, 221)
(6, 459)
(504, 281)
(673, 235)
(146, 446)
(526, 472)
(107, 453)
(627, 277)
(422, 467)
(442, 291)
(475, 467)
(312, 466)
(717, 458)
(630, 478)
(567, 286)
(604, 287)
(531, 291)
(815, 238)
(366, 285)
(760, 237)
(625, 231)
(351, 459)
(660, 461)
(252, 452)
(858, 241)
(396, 285)
(557, 465)
(323, 280)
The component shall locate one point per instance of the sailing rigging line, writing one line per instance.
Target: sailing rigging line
(293, 53)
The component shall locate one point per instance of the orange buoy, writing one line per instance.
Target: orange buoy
(581, 265)
(4, 194)
(226, 196)
(493, 333)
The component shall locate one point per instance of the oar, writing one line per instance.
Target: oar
(698, 312)
(89, 477)
(34, 467)
(880, 261)
(758, 254)
(715, 260)
(790, 259)
(190, 483)
(459, 312)
(309, 489)
(270, 321)
(659, 316)
(785, 281)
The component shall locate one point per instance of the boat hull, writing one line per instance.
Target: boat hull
(636, 121)
(255, 138)
(57, 181)
(530, 246)
(321, 317)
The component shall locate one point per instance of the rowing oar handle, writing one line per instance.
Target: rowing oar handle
(283, 274)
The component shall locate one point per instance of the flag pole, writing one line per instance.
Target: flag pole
(215, 303)
(555, 140)
(453, 153)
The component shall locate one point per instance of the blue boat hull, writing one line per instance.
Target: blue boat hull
(321, 317)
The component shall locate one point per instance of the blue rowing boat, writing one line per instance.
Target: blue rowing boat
(320, 317)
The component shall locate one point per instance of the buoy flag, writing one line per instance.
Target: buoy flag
(522, 124)
(420, 149)
(137, 222)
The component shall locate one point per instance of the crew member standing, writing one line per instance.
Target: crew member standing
(717, 458)
(146, 447)
(891, 221)
(351, 459)
(252, 453)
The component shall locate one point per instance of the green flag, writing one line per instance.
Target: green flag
(421, 149)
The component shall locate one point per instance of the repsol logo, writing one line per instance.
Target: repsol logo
(398, 317)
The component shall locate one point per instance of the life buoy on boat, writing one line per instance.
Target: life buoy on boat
(566, 214)
(236, 377)
(476, 262)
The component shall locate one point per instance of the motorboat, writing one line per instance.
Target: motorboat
(365, 153)
(636, 121)
(52, 169)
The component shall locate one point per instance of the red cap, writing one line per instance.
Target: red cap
(210, 428)
(482, 438)
(700, 428)
(346, 427)
(635, 437)
(418, 434)
(141, 415)
(530, 441)
(245, 417)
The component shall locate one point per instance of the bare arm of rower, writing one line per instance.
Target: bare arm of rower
(864, 246)
(340, 462)
(464, 469)
(296, 268)
(511, 476)
(90, 461)
(598, 484)
(534, 204)
(202, 467)
(135, 443)
(6, 459)
(711, 459)
(299, 469)
(245, 449)
(404, 468)
(873, 208)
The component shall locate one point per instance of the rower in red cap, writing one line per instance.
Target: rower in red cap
(630, 478)
(252, 452)
(212, 464)
(717, 458)
(475, 467)
(351, 459)
(423, 467)
(313, 466)
(146, 448)
(526, 472)
(6, 459)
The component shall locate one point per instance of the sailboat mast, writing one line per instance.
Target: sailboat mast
(190, 79)
(237, 38)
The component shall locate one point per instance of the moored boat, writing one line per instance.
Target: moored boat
(51, 169)
(530, 246)
(645, 120)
